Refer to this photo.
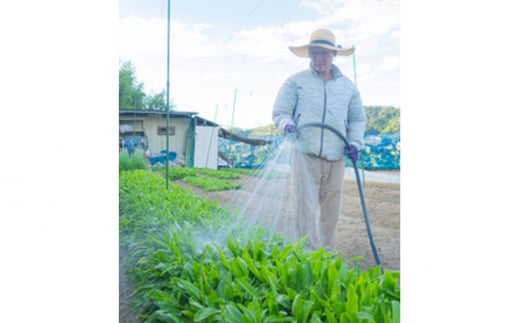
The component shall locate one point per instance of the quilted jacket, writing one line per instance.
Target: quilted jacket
(306, 98)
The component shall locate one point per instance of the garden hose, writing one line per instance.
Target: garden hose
(360, 187)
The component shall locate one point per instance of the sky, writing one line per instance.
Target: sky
(228, 58)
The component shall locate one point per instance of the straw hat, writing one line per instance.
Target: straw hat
(321, 38)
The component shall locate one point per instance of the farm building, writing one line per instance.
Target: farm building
(193, 141)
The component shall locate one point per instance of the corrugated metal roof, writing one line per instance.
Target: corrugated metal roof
(199, 121)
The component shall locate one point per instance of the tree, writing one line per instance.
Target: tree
(394, 125)
(382, 119)
(156, 102)
(131, 94)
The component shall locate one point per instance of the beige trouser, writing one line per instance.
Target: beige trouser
(318, 188)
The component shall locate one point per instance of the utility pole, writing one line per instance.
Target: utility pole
(354, 62)
(168, 99)
(355, 83)
(233, 113)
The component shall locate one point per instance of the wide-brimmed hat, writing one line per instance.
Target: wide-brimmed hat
(321, 38)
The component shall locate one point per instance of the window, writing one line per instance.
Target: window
(161, 131)
(137, 125)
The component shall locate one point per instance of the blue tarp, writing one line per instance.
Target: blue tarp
(162, 157)
(381, 152)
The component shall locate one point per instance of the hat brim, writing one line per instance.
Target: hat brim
(303, 51)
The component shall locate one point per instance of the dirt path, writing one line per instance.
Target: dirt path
(383, 204)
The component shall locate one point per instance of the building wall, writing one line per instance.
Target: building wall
(205, 153)
(206, 147)
(157, 141)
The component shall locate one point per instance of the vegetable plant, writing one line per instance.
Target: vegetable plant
(136, 161)
(193, 261)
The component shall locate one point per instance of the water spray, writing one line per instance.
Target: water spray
(269, 201)
(360, 187)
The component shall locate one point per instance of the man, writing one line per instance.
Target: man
(320, 94)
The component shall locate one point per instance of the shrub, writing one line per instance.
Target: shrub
(136, 161)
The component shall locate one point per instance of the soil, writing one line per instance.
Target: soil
(383, 207)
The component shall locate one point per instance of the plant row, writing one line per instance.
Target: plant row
(192, 260)
(205, 178)
(135, 161)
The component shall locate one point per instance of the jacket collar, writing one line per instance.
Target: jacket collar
(334, 71)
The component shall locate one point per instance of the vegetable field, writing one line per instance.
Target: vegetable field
(192, 260)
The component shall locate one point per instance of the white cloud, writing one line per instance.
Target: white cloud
(205, 70)
(324, 7)
(389, 63)
(367, 19)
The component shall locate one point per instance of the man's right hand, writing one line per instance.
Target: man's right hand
(289, 128)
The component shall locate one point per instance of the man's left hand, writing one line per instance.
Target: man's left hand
(352, 153)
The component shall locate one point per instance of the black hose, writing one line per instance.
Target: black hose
(360, 187)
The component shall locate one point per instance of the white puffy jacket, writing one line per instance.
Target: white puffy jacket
(306, 98)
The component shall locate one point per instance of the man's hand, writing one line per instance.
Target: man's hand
(352, 153)
(289, 128)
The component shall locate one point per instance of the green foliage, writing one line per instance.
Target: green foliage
(205, 178)
(210, 184)
(132, 95)
(183, 273)
(244, 171)
(155, 102)
(131, 92)
(217, 173)
(254, 172)
(268, 130)
(394, 125)
(136, 161)
(383, 119)
(125, 162)
(176, 173)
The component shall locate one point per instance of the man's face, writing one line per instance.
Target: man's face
(321, 59)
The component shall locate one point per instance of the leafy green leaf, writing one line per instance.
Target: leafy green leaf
(247, 286)
(204, 314)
